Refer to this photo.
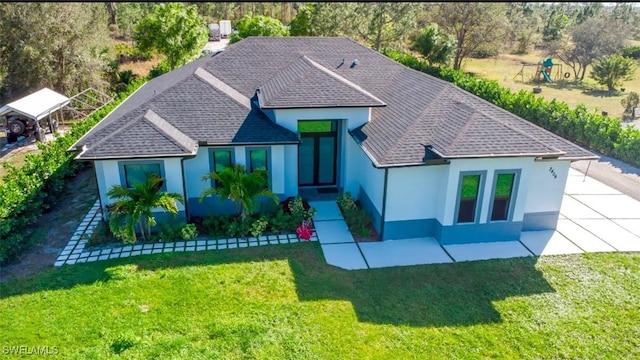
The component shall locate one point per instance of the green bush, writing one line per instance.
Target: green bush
(631, 52)
(592, 130)
(163, 67)
(259, 226)
(217, 225)
(355, 216)
(28, 192)
(189, 232)
(280, 223)
(298, 212)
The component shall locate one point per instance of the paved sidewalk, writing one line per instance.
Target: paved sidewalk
(593, 218)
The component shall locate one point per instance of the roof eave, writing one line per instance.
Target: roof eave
(275, 107)
(288, 142)
(578, 158)
(80, 157)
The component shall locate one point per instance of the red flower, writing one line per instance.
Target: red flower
(304, 231)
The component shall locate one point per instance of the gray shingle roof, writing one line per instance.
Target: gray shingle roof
(161, 138)
(208, 101)
(307, 84)
(200, 110)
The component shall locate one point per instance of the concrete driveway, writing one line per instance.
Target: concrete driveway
(594, 217)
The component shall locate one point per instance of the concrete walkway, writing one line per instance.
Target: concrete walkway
(593, 218)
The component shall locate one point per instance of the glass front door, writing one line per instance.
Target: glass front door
(317, 152)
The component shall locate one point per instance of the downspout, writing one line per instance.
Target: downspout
(384, 202)
(184, 190)
(103, 211)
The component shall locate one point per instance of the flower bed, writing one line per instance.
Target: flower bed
(357, 220)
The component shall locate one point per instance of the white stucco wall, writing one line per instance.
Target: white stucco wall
(108, 175)
(545, 191)
(290, 170)
(359, 171)
(526, 166)
(354, 117)
(194, 169)
(284, 175)
(416, 192)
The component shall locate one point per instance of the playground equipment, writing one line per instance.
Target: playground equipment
(544, 70)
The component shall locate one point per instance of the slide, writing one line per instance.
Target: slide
(546, 76)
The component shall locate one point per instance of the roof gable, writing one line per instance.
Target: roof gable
(307, 84)
(147, 135)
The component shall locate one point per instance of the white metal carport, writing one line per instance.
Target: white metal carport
(37, 105)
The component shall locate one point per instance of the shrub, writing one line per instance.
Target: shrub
(189, 232)
(280, 222)
(216, 225)
(238, 228)
(630, 102)
(355, 216)
(631, 52)
(299, 212)
(259, 226)
(162, 68)
(28, 192)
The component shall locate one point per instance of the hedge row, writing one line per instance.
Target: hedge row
(591, 130)
(30, 191)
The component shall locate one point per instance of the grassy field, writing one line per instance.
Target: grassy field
(285, 302)
(504, 69)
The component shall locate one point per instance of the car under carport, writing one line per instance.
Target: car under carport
(32, 114)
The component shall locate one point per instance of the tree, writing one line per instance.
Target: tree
(435, 45)
(382, 24)
(301, 24)
(473, 25)
(128, 14)
(613, 70)
(235, 184)
(629, 103)
(134, 207)
(59, 45)
(173, 30)
(556, 23)
(258, 25)
(524, 21)
(591, 40)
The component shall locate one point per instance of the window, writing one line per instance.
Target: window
(503, 188)
(258, 160)
(220, 159)
(469, 191)
(138, 173)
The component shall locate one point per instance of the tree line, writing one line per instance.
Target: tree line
(69, 46)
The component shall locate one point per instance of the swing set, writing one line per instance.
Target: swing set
(544, 71)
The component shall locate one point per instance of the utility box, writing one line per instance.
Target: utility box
(225, 28)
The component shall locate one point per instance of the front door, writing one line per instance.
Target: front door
(317, 152)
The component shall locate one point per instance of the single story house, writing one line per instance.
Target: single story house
(425, 158)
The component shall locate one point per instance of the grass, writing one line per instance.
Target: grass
(285, 302)
(504, 68)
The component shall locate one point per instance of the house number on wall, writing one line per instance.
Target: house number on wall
(553, 172)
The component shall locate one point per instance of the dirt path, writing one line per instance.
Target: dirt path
(56, 227)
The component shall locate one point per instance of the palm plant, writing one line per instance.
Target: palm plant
(234, 183)
(134, 207)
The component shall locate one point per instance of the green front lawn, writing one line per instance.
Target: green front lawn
(284, 301)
